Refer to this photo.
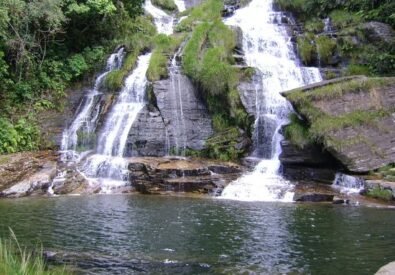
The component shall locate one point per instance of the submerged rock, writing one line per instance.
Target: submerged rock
(388, 269)
(313, 197)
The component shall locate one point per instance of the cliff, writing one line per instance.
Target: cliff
(354, 118)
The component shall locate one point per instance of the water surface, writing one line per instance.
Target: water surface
(123, 234)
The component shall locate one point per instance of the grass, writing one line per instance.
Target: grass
(306, 49)
(380, 193)
(297, 132)
(164, 49)
(342, 19)
(387, 172)
(321, 125)
(325, 48)
(167, 5)
(17, 260)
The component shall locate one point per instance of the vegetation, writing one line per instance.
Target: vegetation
(208, 61)
(354, 45)
(47, 45)
(386, 173)
(380, 193)
(167, 5)
(17, 260)
(320, 124)
(164, 48)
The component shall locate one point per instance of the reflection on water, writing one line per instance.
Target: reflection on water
(123, 234)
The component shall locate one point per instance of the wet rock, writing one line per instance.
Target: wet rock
(377, 31)
(309, 164)
(158, 175)
(24, 174)
(381, 184)
(158, 130)
(313, 197)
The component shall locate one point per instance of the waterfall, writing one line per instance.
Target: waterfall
(108, 162)
(163, 21)
(107, 168)
(85, 122)
(268, 48)
(178, 127)
(348, 184)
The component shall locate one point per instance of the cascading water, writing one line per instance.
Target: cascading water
(163, 21)
(108, 166)
(178, 127)
(268, 48)
(348, 184)
(85, 122)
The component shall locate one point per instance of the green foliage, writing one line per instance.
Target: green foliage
(386, 173)
(314, 25)
(17, 260)
(306, 49)
(380, 193)
(342, 18)
(223, 145)
(168, 5)
(325, 48)
(355, 69)
(297, 132)
(165, 47)
(21, 136)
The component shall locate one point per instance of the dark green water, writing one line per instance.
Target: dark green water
(124, 234)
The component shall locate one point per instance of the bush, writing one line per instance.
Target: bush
(342, 18)
(325, 48)
(297, 132)
(380, 193)
(306, 50)
(168, 5)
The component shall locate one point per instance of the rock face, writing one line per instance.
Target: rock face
(28, 173)
(361, 115)
(307, 164)
(179, 120)
(377, 31)
(158, 175)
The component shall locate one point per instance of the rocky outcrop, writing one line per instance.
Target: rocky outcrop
(308, 164)
(179, 120)
(24, 174)
(355, 118)
(377, 31)
(158, 175)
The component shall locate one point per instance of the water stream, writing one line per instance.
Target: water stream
(80, 133)
(268, 48)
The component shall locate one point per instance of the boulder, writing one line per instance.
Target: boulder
(360, 117)
(377, 31)
(23, 174)
(313, 197)
(176, 118)
(158, 175)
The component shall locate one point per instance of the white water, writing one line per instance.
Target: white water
(108, 167)
(268, 48)
(88, 111)
(348, 184)
(178, 124)
(163, 21)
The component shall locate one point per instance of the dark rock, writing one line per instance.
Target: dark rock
(313, 197)
(377, 31)
(158, 175)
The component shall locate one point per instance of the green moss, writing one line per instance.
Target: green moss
(114, 79)
(325, 48)
(342, 18)
(380, 193)
(314, 25)
(208, 11)
(356, 69)
(167, 5)
(297, 132)
(306, 49)
(223, 145)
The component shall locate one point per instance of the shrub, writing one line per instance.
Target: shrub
(297, 132)
(325, 48)
(306, 50)
(168, 5)
(342, 18)
(380, 193)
